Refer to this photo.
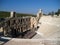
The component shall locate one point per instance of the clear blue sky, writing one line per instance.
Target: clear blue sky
(29, 6)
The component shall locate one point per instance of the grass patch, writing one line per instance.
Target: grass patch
(4, 14)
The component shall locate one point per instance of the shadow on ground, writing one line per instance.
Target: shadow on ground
(3, 41)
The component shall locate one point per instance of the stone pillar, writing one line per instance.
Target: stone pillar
(12, 14)
(1, 29)
(39, 14)
(4, 32)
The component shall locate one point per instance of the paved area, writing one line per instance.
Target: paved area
(49, 27)
(24, 42)
(16, 41)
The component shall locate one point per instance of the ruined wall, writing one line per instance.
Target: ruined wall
(17, 24)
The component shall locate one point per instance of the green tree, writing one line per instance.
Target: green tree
(49, 13)
(52, 13)
(58, 12)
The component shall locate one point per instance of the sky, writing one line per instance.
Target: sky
(29, 6)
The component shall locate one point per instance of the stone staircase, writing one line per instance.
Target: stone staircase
(29, 34)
